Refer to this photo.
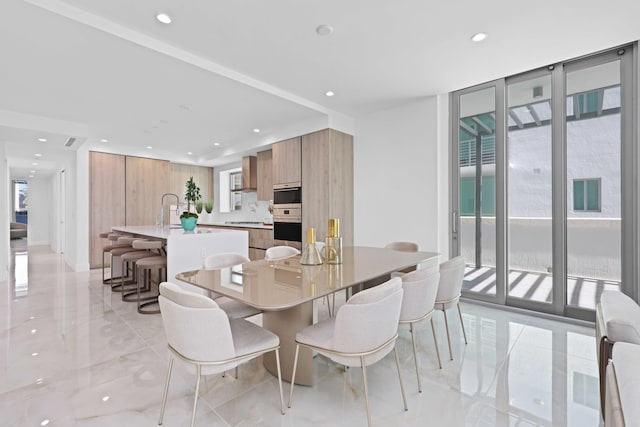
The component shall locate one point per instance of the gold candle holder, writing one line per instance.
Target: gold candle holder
(334, 228)
(310, 255)
(333, 250)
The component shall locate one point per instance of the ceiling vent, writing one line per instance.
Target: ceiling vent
(70, 142)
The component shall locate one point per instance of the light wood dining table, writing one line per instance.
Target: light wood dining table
(285, 291)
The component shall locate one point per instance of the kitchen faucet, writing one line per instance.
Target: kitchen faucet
(162, 207)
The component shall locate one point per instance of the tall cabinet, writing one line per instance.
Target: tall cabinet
(147, 180)
(265, 175)
(106, 199)
(327, 183)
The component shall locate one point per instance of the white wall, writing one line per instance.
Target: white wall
(397, 174)
(40, 209)
(4, 216)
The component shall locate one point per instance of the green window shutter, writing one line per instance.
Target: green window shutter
(578, 195)
(593, 195)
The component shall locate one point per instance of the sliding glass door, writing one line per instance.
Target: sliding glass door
(544, 185)
(594, 178)
(529, 148)
(475, 189)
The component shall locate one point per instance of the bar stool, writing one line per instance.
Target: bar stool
(129, 264)
(113, 238)
(146, 266)
(124, 247)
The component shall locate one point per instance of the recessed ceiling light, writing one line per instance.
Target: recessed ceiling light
(44, 422)
(217, 144)
(324, 30)
(329, 93)
(39, 381)
(34, 354)
(105, 398)
(30, 176)
(149, 147)
(189, 153)
(32, 171)
(33, 331)
(256, 130)
(478, 37)
(42, 139)
(164, 18)
(104, 140)
(38, 155)
(35, 164)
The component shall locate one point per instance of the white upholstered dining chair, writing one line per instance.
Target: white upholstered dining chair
(449, 288)
(364, 330)
(403, 247)
(200, 333)
(234, 309)
(420, 289)
(280, 252)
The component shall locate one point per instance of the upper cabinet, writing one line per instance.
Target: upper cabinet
(265, 175)
(287, 163)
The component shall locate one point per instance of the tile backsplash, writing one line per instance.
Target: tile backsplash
(252, 210)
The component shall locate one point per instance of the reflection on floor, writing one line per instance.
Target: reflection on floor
(76, 355)
(581, 292)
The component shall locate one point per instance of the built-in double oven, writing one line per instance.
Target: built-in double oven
(287, 214)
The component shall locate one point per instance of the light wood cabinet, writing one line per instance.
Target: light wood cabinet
(146, 181)
(327, 177)
(287, 162)
(265, 175)
(179, 174)
(106, 200)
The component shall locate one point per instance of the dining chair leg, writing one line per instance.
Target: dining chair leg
(166, 390)
(446, 326)
(293, 375)
(366, 390)
(195, 398)
(415, 356)
(435, 341)
(404, 397)
(464, 334)
(280, 381)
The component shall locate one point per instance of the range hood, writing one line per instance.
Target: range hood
(249, 174)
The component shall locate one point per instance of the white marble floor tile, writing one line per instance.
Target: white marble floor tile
(100, 363)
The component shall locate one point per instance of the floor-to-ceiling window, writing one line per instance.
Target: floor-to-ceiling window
(543, 185)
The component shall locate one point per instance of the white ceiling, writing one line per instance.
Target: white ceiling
(96, 69)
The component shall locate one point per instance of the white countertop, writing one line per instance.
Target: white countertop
(164, 233)
(223, 224)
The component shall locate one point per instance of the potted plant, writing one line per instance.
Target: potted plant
(189, 219)
(208, 206)
(199, 206)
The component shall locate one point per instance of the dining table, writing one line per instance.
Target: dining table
(285, 291)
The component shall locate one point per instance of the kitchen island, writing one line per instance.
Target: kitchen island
(186, 250)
